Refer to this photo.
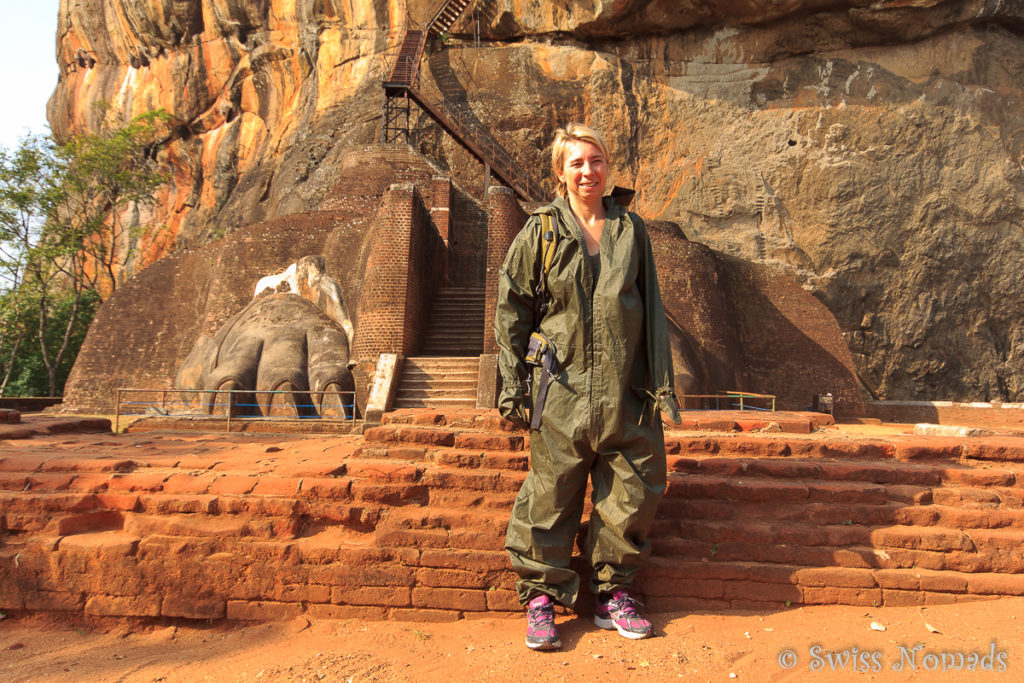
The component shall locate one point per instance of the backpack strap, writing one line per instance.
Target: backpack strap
(549, 244)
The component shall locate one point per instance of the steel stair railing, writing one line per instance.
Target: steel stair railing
(402, 85)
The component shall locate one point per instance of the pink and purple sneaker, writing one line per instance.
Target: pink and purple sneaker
(541, 632)
(618, 611)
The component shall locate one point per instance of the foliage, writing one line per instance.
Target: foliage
(28, 375)
(64, 240)
(105, 173)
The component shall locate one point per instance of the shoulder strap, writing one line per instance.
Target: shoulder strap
(549, 243)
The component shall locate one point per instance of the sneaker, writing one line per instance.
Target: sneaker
(541, 632)
(618, 611)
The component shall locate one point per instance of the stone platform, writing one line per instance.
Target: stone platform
(407, 521)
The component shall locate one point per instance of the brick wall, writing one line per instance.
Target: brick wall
(505, 220)
(467, 244)
(440, 205)
(404, 267)
(792, 345)
(988, 415)
(704, 340)
(144, 331)
(741, 326)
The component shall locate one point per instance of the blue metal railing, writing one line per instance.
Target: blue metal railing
(235, 404)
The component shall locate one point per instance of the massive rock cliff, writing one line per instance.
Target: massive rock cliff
(872, 149)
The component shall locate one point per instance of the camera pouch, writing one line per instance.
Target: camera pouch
(538, 348)
(540, 352)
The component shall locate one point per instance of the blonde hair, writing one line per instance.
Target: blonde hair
(574, 132)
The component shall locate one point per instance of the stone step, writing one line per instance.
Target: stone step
(438, 362)
(468, 351)
(448, 328)
(448, 402)
(420, 379)
(409, 522)
(678, 583)
(419, 394)
(421, 389)
(456, 325)
(458, 307)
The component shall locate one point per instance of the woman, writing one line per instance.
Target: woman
(599, 306)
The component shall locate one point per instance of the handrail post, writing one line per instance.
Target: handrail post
(229, 406)
(117, 413)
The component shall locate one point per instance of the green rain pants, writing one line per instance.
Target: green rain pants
(628, 483)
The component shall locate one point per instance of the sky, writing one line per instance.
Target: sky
(28, 66)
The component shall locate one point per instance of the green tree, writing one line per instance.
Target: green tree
(64, 240)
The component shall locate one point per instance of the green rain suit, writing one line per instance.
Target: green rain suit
(601, 416)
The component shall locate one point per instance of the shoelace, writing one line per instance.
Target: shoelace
(543, 617)
(625, 605)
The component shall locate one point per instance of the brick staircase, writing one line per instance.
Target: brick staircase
(408, 521)
(456, 325)
(437, 383)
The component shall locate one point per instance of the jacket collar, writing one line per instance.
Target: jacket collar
(613, 210)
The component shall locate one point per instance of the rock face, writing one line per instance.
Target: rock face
(873, 150)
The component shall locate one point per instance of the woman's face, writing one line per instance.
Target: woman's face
(584, 171)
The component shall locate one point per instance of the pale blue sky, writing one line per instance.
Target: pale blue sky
(28, 66)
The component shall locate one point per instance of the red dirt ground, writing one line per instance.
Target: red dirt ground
(708, 646)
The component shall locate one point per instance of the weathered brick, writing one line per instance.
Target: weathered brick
(90, 483)
(262, 610)
(328, 488)
(276, 486)
(105, 544)
(20, 463)
(88, 521)
(347, 576)
(191, 607)
(382, 470)
(829, 595)
(893, 597)
(389, 493)
(468, 560)
(921, 538)
(503, 601)
(483, 538)
(371, 613)
(127, 502)
(995, 584)
(836, 576)
(233, 484)
(456, 578)
(970, 476)
(384, 596)
(177, 503)
(837, 493)
(50, 482)
(137, 481)
(54, 601)
(449, 598)
(489, 442)
(189, 483)
(123, 606)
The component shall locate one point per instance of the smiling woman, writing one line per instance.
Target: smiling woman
(593, 300)
(27, 45)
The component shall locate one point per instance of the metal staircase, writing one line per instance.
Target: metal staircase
(402, 87)
(446, 17)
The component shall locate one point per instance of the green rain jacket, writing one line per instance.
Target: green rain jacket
(614, 368)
